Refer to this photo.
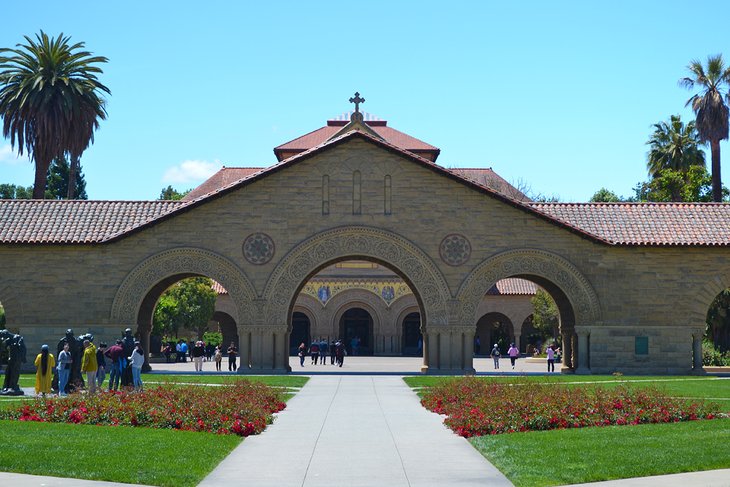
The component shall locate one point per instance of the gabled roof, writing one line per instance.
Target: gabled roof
(45, 221)
(224, 177)
(513, 286)
(380, 127)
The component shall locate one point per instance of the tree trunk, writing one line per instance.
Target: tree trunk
(716, 179)
(41, 179)
(73, 170)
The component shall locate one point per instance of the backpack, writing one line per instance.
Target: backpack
(495, 352)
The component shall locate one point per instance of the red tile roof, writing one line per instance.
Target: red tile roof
(218, 288)
(389, 134)
(77, 221)
(224, 177)
(646, 223)
(487, 177)
(513, 286)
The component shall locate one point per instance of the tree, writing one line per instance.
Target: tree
(604, 195)
(718, 321)
(171, 193)
(671, 185)
(58, 181)
(710, 109)
(190, 304)
(50, 100)
(13, 192)
(545, 317)
(2, 316)
(675, 146)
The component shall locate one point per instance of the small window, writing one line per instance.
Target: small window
(641, 346)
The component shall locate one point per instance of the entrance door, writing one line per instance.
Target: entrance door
(412, 338)
(357, 323)
(299, 332)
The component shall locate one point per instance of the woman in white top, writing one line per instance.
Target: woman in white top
(137, 360)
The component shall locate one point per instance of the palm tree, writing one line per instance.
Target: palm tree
(50, 100)
(674, 145)
(710, 109)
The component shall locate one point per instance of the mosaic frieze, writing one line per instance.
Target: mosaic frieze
(387, 290)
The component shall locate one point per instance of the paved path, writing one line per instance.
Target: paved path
(355, 431)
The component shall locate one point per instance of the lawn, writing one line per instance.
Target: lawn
(557, 457)
(119, 454)
(580, 455)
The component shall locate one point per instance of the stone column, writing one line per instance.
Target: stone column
(582, 334)
(516, 340)
(144, 338)
(281, 349)
(450, 349)
(268, 349)
(567, 351)
(426, 354)
(244, 349)
(467, 356)
(697, 336)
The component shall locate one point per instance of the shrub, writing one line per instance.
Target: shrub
(242, 408)
(712, 356)
(477, 407)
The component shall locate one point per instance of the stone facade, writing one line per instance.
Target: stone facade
(381, 206)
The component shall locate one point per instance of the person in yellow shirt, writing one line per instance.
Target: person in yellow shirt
(89, 365)
(44, 363)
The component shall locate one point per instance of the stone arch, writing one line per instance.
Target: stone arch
(184, 261)
(703, 297)
(530, 262)
(357, 242)
(358, 299)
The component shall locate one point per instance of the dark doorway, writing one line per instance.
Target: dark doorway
(299, 332)
(494, 328)
(412, 337)
(357, 323)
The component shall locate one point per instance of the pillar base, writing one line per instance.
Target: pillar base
(448, 371)
(583, 371)
(566, 370)
(700, 371)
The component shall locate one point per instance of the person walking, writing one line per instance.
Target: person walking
(302, 352)
(314, 351)
(64, 369)
(232, 353)
(340, 353)
(323, 349)
(198, 352)
(115, 353)
(101, 364)
(44, 363)
(218, 358)
(550, 359)
(333, 352)
(137, 360)
(495, 355)
(513, 352)
(89, 365)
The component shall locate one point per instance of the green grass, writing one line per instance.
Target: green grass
(569, 456)
(28, 380)
(119, 454)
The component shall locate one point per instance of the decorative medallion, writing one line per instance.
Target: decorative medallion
(258, 248)
(455, 249)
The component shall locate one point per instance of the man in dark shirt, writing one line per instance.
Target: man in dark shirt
(232, 353)
(119, 362)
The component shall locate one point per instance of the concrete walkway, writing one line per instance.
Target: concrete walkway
(355, 431)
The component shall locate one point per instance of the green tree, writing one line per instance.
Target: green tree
(171, 193)
(58, 178)
(674, 146)
(50, 100)
(604, 195)
(718, 321)
(710, 109)
(13, 192)
(545, 316)
(671, 185)
(189, 304)
(2, 316)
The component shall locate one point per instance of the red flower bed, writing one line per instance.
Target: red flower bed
(477, 407)
(243, 408)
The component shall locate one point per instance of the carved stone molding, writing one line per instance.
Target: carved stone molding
(453, 329)
(263, 329)
(184, 260)
(258, 248)
(357, 242)
(529, 262)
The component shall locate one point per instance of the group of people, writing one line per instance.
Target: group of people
(552, 352)
(126, 358)
(318, 350)
(199, 352)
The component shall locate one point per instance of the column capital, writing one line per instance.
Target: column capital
(582, 330)
(451, 329)
(261, 329)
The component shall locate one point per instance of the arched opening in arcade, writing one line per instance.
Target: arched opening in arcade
(493, 329)
(363, 304)
(715, 346)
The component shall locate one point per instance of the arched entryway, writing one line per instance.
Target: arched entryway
(300, 332)
(356, 329)
(412, 337)
(493, 328)
(227, 327)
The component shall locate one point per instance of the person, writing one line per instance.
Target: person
(232, 353)
(550, 359)
(44, 363)
(477, 345)
(101, 364)
(198, 353)
(302, 351)
(74, 376)
(323, 348)
(137, 361)
(128, 347)
(119, 363)
(184, 351)
(167, 352)
(420, 345)
(89, 365)
(340, 352)
(495, 355)
(178, 351)
(209, 351)
(314, 351)
(354, 344)
(218, 358)
(333, 352)
(65, 362)
(513, 352)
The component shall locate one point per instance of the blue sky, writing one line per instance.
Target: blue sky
(558, 96)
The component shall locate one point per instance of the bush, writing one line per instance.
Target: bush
(712, 356)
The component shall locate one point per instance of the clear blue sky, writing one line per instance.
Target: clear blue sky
(560, 95)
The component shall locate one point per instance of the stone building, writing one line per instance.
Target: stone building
(632, 282)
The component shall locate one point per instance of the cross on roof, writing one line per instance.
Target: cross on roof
(357, 100)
